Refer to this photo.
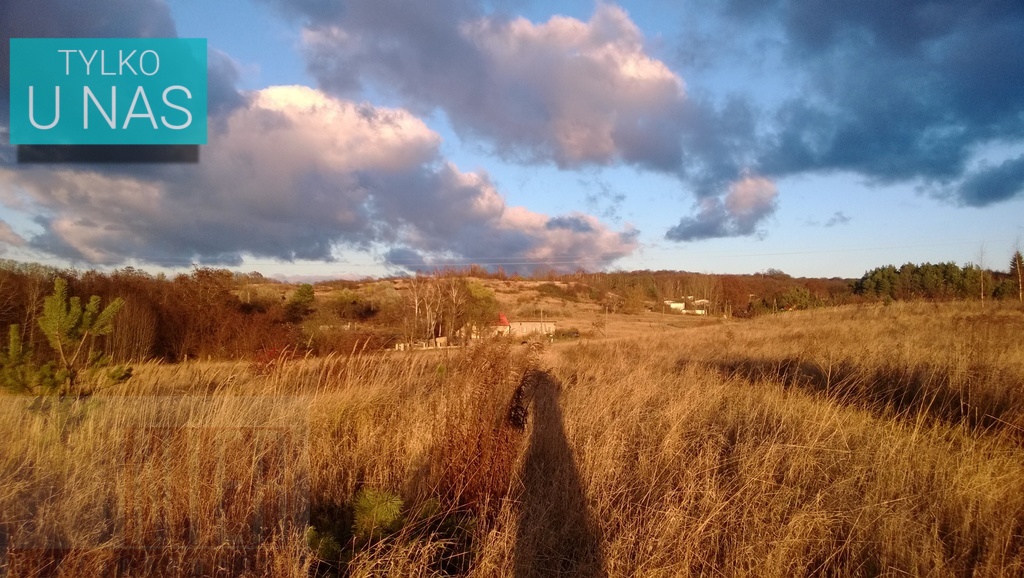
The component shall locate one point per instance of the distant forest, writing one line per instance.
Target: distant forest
(219, 314)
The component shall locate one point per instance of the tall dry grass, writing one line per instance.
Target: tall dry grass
(951, 362)
(855, 442)
(209, 469)
(693, 467)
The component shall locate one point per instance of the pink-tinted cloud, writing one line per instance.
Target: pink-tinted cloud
(596, 84)
(749, 201)
(565, 90)
(8, 237)
(297, 174)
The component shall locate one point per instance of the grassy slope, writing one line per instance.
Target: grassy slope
(697, 464)
(858, 441)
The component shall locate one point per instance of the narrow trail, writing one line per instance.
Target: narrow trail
(555, 535)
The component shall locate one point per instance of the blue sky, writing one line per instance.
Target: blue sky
(720, 137)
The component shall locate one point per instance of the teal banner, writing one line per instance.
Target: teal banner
(76, 91)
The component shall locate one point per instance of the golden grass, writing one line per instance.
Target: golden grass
(691, 474)
(856, 442)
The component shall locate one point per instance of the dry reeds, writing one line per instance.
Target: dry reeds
(855, 442)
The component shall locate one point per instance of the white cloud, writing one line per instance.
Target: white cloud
(564, 90)
(296, 174)
(592, 82)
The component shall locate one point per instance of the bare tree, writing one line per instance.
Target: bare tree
(417, 287)
(703, 286)
(39, 280)
(1017, 270)
(134, 330)
(433, 301)
(7, 304)
(456, 296)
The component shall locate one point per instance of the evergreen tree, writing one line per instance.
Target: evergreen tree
(72, 329)
(301, 303)
(15, 374)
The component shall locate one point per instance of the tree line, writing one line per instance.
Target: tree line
(191, 315)
(219, 314)
(943, 281)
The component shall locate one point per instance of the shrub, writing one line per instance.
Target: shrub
(570, 333)
(301, 303)
(377, 514)
(71, 331)
(323, 545)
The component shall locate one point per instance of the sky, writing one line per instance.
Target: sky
(373, 137)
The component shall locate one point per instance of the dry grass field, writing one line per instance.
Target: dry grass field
(859, 441)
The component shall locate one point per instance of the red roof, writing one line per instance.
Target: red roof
(502, 320)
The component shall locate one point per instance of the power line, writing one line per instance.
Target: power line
(678, 254)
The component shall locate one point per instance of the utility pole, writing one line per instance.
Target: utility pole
(1020, 285)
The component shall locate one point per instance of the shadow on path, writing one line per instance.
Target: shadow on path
(555, 536)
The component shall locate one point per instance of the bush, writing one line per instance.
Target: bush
(350, 305)
(552, 290)
(301, 303)
(378, 513)
(570, 333)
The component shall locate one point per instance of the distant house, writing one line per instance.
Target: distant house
(696, 306)
(520, 328)
(504, 328)
(676, 305)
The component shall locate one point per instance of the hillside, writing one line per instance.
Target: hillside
(866, 439)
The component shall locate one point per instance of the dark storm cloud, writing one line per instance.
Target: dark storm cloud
(415, 46)
(104, 19)
(565, 91)
(569, 92)
(748, 202)
(222, 96)
(990, 185)
(709, 223)
(719, 143)
(894, 92)
(82, 19)
(405, 258)
(901, 91)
